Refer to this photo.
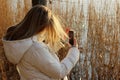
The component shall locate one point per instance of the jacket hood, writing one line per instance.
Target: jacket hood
(14, 50)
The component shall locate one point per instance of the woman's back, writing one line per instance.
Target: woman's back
(34, 59)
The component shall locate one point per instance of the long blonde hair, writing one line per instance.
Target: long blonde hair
(38, 20)
(55, 32)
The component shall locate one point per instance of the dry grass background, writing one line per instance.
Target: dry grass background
(100, 59)
(103, 43)
(11, 12)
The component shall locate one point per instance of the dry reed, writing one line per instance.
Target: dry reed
(11, 12)
(100, 57)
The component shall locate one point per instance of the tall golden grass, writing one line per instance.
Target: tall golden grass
(104, 43)
(11, 12)
(101, 60)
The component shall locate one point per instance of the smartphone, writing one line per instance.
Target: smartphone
(71, 37)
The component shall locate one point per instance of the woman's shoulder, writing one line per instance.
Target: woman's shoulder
(39, 45)
(35, 49)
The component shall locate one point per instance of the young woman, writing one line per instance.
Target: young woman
(36, 60)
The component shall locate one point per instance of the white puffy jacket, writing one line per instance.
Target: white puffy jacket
(36, 62)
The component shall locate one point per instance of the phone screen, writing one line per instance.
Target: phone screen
(71, 37)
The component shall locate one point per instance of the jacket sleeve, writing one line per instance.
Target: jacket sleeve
(43, 60)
